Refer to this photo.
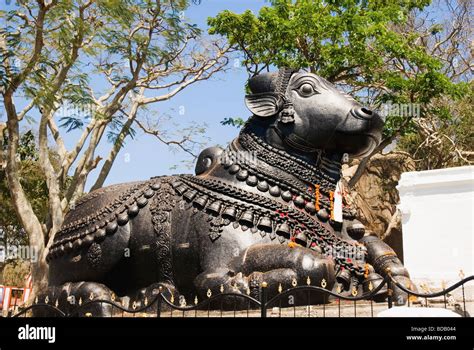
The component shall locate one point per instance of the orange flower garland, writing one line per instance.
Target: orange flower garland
(316, 196)
(331, 200)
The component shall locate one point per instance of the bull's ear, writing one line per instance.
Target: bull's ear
(265, 104)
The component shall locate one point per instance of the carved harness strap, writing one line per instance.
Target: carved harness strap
(161, 209)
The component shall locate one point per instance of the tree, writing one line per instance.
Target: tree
(376, 50)
(108, 58)
(445, 136)
(14, 268)
(34, 185)
(15, 273)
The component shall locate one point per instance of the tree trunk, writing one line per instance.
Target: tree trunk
(54, 192)
(363, 163)
(22, 205)
(39, 274)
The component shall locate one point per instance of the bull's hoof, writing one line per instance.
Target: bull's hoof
(79, 299)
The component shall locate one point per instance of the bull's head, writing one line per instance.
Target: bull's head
(310, 114)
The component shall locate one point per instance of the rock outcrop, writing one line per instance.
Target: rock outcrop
(375, 196)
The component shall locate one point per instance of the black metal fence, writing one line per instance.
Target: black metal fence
(164, 304)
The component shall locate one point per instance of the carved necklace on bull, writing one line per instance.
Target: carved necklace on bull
(305, 223)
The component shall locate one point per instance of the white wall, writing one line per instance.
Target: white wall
(437, 209)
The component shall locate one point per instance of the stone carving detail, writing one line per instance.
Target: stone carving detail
(163, 203)
(94, 255)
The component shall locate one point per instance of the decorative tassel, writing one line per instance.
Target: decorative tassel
(292, 243)
(366, 271)
(316, 196)
(331, 200)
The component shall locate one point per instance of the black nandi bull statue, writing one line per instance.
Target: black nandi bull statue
(260, 210)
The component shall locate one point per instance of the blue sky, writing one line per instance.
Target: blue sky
(205, 102)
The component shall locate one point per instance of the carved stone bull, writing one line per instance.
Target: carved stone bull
(260, 210)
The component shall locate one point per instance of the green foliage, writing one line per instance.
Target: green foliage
(34, 184)
(364, 46)
(237, 122)
(27, 147)
(336, 39)
(15, 273)
(446, 138)
(115, 127)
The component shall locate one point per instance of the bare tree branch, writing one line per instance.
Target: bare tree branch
(157, 134)
(124, 132)
(25, 110)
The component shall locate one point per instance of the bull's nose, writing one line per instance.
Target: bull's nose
(362, 112)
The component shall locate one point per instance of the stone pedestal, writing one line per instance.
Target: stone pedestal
(437, 208)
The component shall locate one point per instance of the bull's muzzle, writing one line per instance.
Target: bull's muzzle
(363, 112)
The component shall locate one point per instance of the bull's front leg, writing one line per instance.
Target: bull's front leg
(277, 265)
(384, 259)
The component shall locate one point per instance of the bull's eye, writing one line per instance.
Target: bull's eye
(306, 90)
